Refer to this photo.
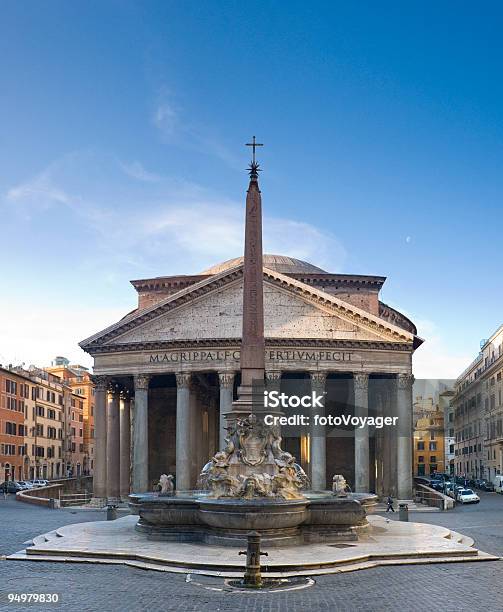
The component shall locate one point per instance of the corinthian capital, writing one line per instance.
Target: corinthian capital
(318, 378)
(226, 379)
(183, 379)
(273, 375)
(141, 382)
(101, 382)
(405, 381)
(361, 380)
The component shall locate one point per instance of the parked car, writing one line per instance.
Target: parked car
(438, 485)
(485, 485)
(454, 490)
(25, 484)
(10, 486)
(467, 496)
(40, 483)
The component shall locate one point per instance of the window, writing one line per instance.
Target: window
(10, 428)
(40, 411)
(39, 430)
(420, 445)
(420, 459)
(11, 386)
(433, 446)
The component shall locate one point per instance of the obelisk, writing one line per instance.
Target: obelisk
(250, 393)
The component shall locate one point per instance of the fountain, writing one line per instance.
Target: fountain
(252, 484)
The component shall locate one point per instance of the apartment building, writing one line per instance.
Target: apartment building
(446, 407)
(478, 408)
(429, 453)
(14, 393)
(79, 380)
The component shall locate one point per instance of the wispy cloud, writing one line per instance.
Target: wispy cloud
(40, 191)
(175, 128)
(124, 225)
(161, 219)
(137, 171)
(165, 118)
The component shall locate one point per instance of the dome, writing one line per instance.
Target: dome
(278, 263)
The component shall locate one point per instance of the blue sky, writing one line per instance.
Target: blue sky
(121, 157)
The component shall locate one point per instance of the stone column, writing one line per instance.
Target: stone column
(390, 441)
(404, 431)
(212, 426)
(200, 431)
(113, 446)
(183, 450)
(140, 434)
(361, 405)
(100, 440)
(226, 380)
(125, 443)
(318, 463)
(195, 435)
(379, 449)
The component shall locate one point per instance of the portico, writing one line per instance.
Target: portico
(168, 372)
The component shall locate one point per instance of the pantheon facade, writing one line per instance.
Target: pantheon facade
(168, 371)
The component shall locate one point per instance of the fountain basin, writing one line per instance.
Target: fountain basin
(194, 516)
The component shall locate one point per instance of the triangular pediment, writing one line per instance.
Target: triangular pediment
(212, 309)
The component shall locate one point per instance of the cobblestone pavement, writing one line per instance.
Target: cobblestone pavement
(447, 587)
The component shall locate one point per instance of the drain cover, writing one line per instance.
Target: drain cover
(269, 585)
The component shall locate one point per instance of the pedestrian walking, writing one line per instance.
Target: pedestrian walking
(389, 501)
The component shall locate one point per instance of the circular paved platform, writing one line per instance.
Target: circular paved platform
(387, 543)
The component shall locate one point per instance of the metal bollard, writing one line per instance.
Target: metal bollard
(253, 576)
(52, 505)
(111, 513)
(403, 512)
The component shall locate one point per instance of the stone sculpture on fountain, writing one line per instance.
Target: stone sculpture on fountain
(253, 464)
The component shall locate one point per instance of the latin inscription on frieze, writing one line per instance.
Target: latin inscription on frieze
(278, 356)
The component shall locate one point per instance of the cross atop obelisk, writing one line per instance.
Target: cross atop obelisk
(254, 144)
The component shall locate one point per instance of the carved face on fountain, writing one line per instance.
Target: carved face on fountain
(253, 465)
